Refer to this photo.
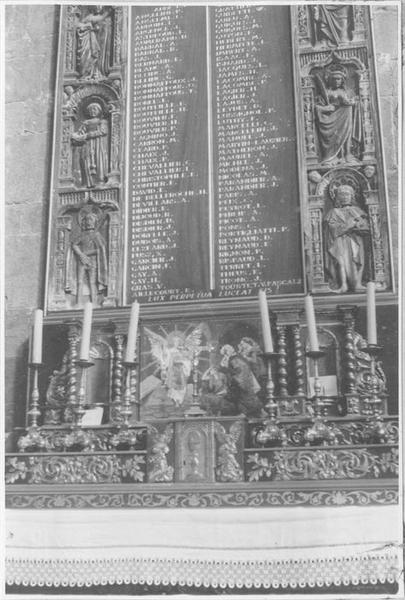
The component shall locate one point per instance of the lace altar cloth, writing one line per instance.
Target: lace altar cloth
(271, 548)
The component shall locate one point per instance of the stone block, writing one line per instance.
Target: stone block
(385, 25)
(27, 174)
(14, 118)
(389, 130)
(30, 29)
(24, 270)
(387, 75)
(38, 114)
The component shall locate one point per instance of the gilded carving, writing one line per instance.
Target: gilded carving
(176, 500)
(365, 381)
(227, 466)
(350, 463)
(56, 397)
(158, 468)
(84, 468)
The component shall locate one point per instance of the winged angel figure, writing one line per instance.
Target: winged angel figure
(174, 354)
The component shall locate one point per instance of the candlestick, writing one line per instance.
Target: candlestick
(311, 324)
(266, 329)
(86, 331)
(371, 315)
(36, 348)
(132, 331)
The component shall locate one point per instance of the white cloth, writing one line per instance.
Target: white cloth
(248, 546)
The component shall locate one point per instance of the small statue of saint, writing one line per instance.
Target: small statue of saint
(91, 140)
(88, 253)
(94, 43)
(338, 118)
(346, 226)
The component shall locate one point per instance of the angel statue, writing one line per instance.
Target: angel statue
(174, 354)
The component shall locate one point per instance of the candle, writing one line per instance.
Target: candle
(371, 315)
(311, 324)
(266, 330)
(36, 347)
(86, 331)
(132, 331)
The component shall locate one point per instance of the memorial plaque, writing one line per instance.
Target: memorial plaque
(214, 199)
(169, 239)
(258, 214)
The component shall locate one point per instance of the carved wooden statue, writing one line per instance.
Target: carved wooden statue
(346, 225)
(92, 142)
(87, 262)
(94, 43)
(338, 118)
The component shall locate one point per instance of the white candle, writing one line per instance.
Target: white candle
(371, 314)
(266, 329)
(36, 356)
(132, 331)
(86, 331)
(311, 324)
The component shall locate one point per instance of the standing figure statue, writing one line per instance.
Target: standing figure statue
(331, 23)
(345, 227)
(92, 142)
(94, 43)
(90, 254)
(338, 118)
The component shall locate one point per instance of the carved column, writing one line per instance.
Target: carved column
(73, 339)
(316, 207)
(282, 371)
(118, 374)
(377, 245)
(63, 228)
(113, 259)
(359, 32)
(349, 359)
(116, 136)
(66, 155)
(309, 119)
(303, 28)
(70, 41)
(365, 101)
(118, 31)
(298, 361)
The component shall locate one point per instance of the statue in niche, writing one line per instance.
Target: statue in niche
(92, 140)
(94, 43)
(331, 24)
(88, 257)
(346, 226)
(338, 118)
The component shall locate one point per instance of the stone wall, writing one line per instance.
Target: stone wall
(31, 46)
